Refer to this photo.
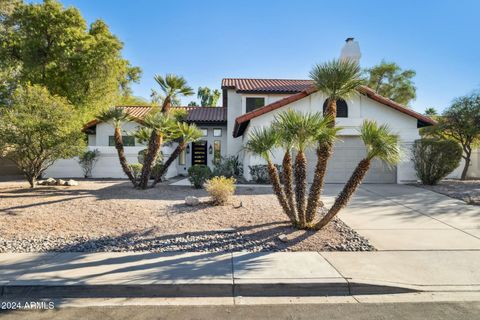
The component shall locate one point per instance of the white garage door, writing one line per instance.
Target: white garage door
(347, 153)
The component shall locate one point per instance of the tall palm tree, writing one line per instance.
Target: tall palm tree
(187, 133)
(337, 79)
(172, 86)
(261, 142)
(117, 116)
(301, 129)
(162, 125)
(381, 144)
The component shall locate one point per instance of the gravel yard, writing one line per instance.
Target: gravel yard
(100, 215)
(468, 190)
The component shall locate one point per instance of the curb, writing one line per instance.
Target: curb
(200, 290)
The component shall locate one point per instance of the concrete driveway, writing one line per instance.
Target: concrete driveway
(402, 217)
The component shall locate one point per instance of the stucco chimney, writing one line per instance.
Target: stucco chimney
(351, 50)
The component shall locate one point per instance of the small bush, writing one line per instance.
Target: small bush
(260, 174)
(156, 169)
(87, 161)
(198, 174)
(435, 159)
(220, 189)
(136, 170)
(228, 167)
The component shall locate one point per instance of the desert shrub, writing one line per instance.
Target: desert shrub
(228, 167)
(136, 169)
(158, 167)
(260, 174)
(435, 159)
(198, 174)
(87, 161)
(220, 189)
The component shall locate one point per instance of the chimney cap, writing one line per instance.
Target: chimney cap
(349, 39)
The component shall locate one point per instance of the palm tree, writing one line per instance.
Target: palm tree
(261, 142)
(325, 137)
(187, 133)
(173, 86)
(117, 116)
(162, 125)
(381, 144)
(337, 79)
(301, 130)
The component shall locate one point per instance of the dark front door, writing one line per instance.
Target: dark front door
(199, 152)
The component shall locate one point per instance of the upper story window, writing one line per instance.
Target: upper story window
(254, 103)
(204, 132)
(128, 141)
(342, 108)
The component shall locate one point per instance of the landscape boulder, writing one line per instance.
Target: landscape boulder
(191, 201)
(71, 183)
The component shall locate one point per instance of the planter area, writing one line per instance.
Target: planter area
(102, 215)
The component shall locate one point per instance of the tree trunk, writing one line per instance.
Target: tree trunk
(287, 172)
(301, 186)
(154, 145)
(179, 149)
(331, 111)
(32, 180)
(166, 104)
(323, 154)
(121, 156)
(468, 154)
(345, 195)
(277, 189)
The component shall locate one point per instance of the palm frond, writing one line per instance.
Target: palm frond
(337, 79)
(261, 142)
(189, 132)
(173, 85)
(297, 129)
(116, 115)
(160, 122)
(380, 142)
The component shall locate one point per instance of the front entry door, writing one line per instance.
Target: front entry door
(199, 152)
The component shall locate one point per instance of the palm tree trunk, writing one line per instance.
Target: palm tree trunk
(121, 156)
(154, 145)
(166, 104)
(331, 111)
(288, 182)
(323, 154)
(345, 195)
(301, 186)
(179, 149)
(277, 189)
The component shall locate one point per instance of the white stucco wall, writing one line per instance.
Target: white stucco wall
(359, 108)
(108, 165)
(473, 170)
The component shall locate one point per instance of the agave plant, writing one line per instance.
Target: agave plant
(117, 116)
(187, 133)
(381, 144)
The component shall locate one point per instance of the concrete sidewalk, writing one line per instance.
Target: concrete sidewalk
(80, 275)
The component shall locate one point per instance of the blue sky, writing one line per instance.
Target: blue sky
(206, 41)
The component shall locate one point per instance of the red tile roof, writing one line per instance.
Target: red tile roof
(243, 85)
(214, 115)
(242, 122)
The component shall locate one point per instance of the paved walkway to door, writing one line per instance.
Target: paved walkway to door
(402, 217)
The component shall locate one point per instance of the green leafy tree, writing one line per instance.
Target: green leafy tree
(37, 129)
(47, 44)
(208, 97)
(461, 123)
(390, 81)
